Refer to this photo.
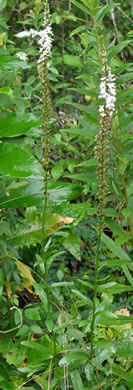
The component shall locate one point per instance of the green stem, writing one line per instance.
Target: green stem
(95, 289)
(45, 161)
(44, 208)
(45, 143)
(101, 205)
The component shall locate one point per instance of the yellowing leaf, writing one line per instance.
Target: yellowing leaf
(55, 222)
(110, 333)
(2, 36)
(25, 273)
(8, 289)
(124, 312)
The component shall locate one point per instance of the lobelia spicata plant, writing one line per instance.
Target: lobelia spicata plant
(107, 96)
(45, 43)
(106, 109)
(45, 46)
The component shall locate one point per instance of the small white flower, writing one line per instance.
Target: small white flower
(101, 110)
(22, 55)
(33, 33)
(108, 93)
(45, 40)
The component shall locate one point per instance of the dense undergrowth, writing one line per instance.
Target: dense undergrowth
(66, 195)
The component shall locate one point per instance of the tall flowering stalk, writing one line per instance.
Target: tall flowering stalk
(106, 109)
(45, 43)
(107, 96)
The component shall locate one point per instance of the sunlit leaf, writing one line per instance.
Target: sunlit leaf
(2, 37)
(17, 162)
(13, 125)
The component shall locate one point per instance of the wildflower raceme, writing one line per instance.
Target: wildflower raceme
(45, 37)
(106, 110)
(107, 89)
(45, 42)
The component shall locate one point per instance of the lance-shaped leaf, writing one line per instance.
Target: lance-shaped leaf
(76, 380)
(119, 252)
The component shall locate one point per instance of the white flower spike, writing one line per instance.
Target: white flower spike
(108, 93)
(45, 40)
